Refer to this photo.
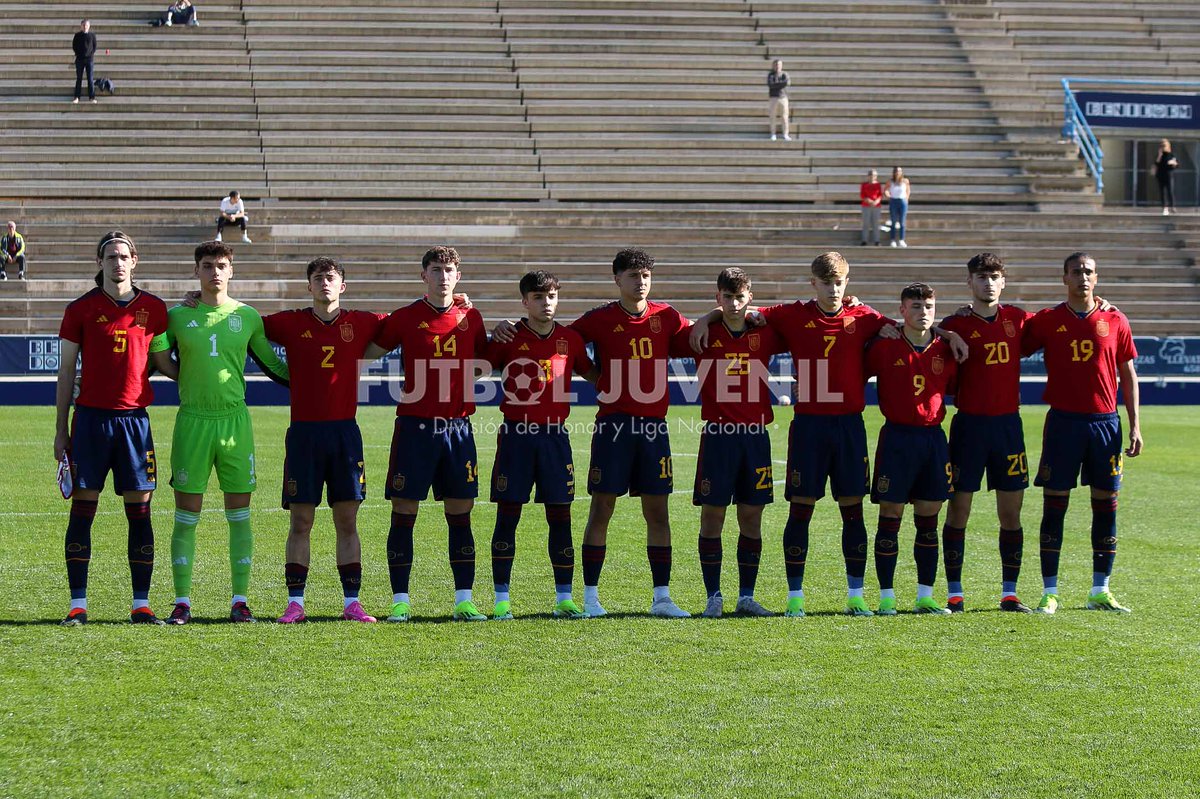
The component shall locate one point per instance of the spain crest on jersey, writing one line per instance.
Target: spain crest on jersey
(141, 317)
(462, 322)
(938, 365)
(848, 324)
(347, 331)
(1010, 329)
(235, 323)
(1102, 328)
(560, 346)
(655, 324)
(755, 342)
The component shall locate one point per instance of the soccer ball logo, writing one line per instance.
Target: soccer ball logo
(525, 383)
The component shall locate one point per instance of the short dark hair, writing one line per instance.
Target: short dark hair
(631, 258)
(233, 194)
(1076, 257)
(540, 280)
(214, 249)
(324, 264)
(440, 255)
(985, 262)
(105, 240)
(917, 291)
(733, 280)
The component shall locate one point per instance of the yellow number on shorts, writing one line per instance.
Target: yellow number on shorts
(997, 352)
(949, 475)
(1082, 349)
(1017, 465)
(151, 466)
(327, 362)
(120, 340)
(829, 342)
(447, 347)
(665, 467)
(918, 385)
(472, 472)
(764, 477)
(642, 348)
(1117, 465)
(739, 363)
(362, 473)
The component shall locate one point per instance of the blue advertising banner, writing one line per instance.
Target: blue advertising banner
(1135, 110)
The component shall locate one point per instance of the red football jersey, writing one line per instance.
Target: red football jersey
(324, 359)
(989, 381)
(733, 372)
(114, 341)
(1082, 356)
(912, 385)
(441, 351)
(632, 352)
(536, 373)
(827, 353)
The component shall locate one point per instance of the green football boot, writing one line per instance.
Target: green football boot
(1104, 600)
(401, 611)
(502, 611)
(928, 604)
(857, 606)
(1049, 604)
(466, 611)
(567, 609)
(887, 606)
(795, 608)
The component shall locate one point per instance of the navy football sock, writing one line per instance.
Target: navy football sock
(1054, 514)
(78, 546)
(400, 551)
(887, 549)
(795, 544)
(710, 564)
(925, 548)
(504, 543)
(749, 553)
(462, 550)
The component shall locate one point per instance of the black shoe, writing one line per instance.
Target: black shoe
(241, 613)
(3, 275)
(1013, 605)
(180, 614)
(20, 276)
(145, 616)
(76, 618)
(956, 605)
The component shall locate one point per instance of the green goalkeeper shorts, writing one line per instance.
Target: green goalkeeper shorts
(202, 442)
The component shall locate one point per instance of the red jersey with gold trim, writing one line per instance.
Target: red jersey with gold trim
(632, 352)
(989, 381)
(324, 359)
(827, 353)
(912, 384)
(114, 341)
(536, 373)
(733, 372)
(440, 348)
(1082, 356)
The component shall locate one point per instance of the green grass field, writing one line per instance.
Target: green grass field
(1082, 704)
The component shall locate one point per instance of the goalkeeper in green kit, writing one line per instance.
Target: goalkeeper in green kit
(212, 428)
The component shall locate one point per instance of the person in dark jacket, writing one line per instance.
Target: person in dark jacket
(84, 45)
(777, 103)
(1164, 171)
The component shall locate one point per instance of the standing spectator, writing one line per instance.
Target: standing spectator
(1164, 171)
(871, 194)
(84, 45)
(12, 251)
(777, 83)
(233, 212)
(898, 193)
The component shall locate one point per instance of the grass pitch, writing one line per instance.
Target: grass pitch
(978, 705)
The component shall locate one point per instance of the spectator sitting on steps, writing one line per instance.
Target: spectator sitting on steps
(12, 251)
(181, 12)
(233, 212)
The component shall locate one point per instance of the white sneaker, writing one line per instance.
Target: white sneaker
(748, 605)
(594, 609)
(218, 238)
(76, 101)
(894, 244)
(903, 243)
(787, 137)
(714, 608)
(1166, 212)
(667, 609)
(246, 239)
(772, 135)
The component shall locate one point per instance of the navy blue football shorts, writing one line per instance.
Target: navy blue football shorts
(116, 441)
(994, 445)
(1080, 446)
(533, 456)
(827, 448)
(323, 454)
(630, 454)
(911, 464)
(432, 453)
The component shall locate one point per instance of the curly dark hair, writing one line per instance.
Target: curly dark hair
(985, 262)
(440, 255)
(325, 264)
(213, 249)
(632, 259)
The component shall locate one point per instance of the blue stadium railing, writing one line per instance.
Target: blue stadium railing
(1076, 127)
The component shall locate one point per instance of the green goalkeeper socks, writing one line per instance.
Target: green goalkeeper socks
(241, 549)
(183, 550)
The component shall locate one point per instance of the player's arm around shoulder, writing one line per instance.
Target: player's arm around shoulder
(260, 348)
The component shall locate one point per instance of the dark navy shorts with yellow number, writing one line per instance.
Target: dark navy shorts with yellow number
(1083, 446)
(630, 453)
(827, 448)
(734, 466)
(991, 444)
(530, 455)
(320, 454)
(911, 464)
(432, 453)
(116, 441)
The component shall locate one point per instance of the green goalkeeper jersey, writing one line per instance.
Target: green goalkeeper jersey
(212, 344)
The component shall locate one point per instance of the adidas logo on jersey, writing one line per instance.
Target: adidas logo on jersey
(423, 326)
(1061, 329)
(523, 348)
(718, 343)
(618, 329)
(193, 323)
(975, 334)
(811, 325)
(899, 362)
(306, 334)
(101, 319)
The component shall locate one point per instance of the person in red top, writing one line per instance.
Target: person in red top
(532, 446)
(118, 329)
(325, 345)
(912, 464)
(734, 464)
(433, 445)
(1087, 349)
(870, 194)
